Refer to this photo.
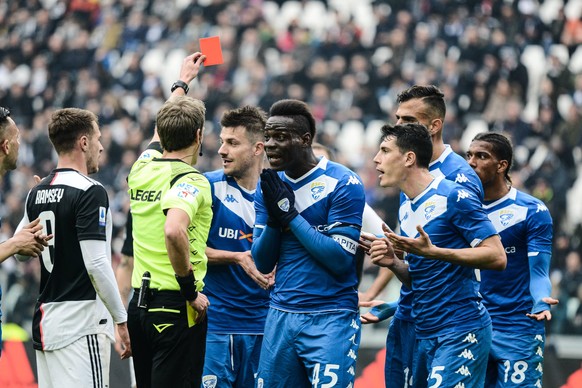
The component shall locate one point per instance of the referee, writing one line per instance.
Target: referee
(171, 209)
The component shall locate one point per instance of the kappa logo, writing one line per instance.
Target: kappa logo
(209, 381)
(539, 338)
(461, 178)
(354, 325)
(471, 338)
(538, 384)
(541, 208)
(352, 354)
(317, 189)
(467, 354)
(463, 371)
(284, 204)
(460, 385)
(505, 217)
(162, 326)
(260, 382)
(351, 371)
(462, 194)
(539, 352)
(353, 181)
(540, 368)
(353, 339)
(230, 198)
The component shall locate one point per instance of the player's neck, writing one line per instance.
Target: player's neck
(416, 182)
(250, 178)
(495, 191)
(187, 155)
(438, 147)
(74, 162)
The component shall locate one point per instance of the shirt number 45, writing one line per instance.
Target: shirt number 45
(327, 372)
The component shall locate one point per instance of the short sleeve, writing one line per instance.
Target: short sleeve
(186, 194)
(92, 214)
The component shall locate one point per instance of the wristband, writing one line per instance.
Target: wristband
(180, 84)
(187, 286)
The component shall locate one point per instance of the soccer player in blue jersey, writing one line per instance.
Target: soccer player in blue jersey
(517, 299)
(237, 291)
(308, 219)
(424, 104)
(453, 329)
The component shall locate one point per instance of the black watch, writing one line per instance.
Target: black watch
(180, 84)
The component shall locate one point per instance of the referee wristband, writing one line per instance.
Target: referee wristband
(187, 286)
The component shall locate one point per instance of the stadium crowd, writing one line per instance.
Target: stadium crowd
(509, 66)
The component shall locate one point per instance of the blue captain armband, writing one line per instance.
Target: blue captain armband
(384, 311)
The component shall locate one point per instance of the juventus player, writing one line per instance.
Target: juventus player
(79, 301)
(518, 299)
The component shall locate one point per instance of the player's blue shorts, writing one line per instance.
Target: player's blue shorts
(515, 360)
(452, 360)
(309, 349)
(231, 360)
(399, 351)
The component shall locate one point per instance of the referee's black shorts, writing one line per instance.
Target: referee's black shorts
(167, 350)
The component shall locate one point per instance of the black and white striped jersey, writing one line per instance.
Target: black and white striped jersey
(74, 208)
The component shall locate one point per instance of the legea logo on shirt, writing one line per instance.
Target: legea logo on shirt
(317, 189)
(102, 216)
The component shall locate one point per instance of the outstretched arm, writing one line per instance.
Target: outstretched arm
(487, 255)
(189, 70)
(540, 286)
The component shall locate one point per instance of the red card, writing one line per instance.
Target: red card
(211, 48)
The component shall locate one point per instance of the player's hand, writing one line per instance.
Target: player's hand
(382, 252)
(245, 260)
(369, 317)
(191, 66)
(30, 241)
(544, 314)
(271, 277)
(419, 246)
(380, 311)
(365, 241)
(279, 197)
(200, 304)
(122, 343)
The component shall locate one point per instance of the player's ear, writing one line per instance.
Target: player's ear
(436, 126)
(5, 146)
(410, 159)
(259, 148)
(83, 142)
(502, 166)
